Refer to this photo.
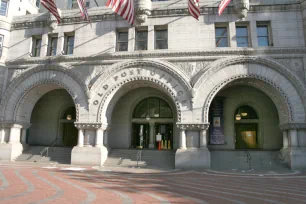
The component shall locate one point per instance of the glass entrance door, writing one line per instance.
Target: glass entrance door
(246, 136)
(166, 131)
(140, 136)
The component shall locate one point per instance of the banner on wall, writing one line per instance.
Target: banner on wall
(217, 121)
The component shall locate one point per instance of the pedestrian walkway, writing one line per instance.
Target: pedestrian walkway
(24, 183)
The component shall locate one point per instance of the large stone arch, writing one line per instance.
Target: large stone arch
(278, 82)
(157, 73)
(26, 89)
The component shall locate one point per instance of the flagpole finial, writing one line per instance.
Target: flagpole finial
(143, 10)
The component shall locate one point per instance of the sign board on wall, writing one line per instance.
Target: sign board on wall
(216, 129)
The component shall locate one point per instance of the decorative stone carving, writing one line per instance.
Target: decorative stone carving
(14, 73)
(241, 8)
(192, 126)
(52, 22)
(295, 64)
(188, 68)
(143, 10)
(89, 125)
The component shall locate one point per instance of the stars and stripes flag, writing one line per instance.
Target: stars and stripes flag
(124, 8)
(83, 10)
(222, 6)
(194, 8)
(51, 6)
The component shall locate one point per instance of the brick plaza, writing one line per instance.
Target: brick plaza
(22, 183)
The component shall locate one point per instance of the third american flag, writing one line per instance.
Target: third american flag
(194, 8)
(51, 6)
(83, 10)
(222, 6)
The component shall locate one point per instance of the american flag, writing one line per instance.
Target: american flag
(222, 6)
(124, 8)
(50, 6)
(83, 10)
(194, 8)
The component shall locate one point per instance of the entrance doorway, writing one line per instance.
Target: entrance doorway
(246, 126)
(166, 131)
(70, 135)
(246, 136)
(152, 116)
(70, 132)
(140, 137)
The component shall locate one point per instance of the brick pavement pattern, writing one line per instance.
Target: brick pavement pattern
(37, 185)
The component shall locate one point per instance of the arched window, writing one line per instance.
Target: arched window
(245, 112)
(69, 114)
(152, 108)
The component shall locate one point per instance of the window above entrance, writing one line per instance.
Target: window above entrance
(245, 112)
(152, 108)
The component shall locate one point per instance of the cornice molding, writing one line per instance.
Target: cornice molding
(160, 54)
(105, 15)
(192, 126)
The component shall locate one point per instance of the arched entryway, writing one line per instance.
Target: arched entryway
(243, 117)
(152, 118)
(52, 120)
(32, 105)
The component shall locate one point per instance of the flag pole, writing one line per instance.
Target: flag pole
(96, 3)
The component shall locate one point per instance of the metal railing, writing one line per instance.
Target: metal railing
(51, 145)
(138, 156)
(249, 158)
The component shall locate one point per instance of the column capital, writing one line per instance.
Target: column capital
(192, 126)
(14, 124)
(90, 125)
(292, 126)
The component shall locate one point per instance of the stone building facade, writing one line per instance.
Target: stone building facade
(227, 83)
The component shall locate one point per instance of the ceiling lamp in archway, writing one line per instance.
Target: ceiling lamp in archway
(69, 117)
(238, 117)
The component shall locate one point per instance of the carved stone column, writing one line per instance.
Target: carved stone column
(152, 125)
(100, 136)
(189, 158)
(203, 137)
(24, 134)
(285, 139)
(15, 133)
(81, 138)
(182, 136)
(293, 138)
(84, 154)
(106, 134)
(2, 134)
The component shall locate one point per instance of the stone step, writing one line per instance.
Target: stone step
(55, 155)
(127, 157)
